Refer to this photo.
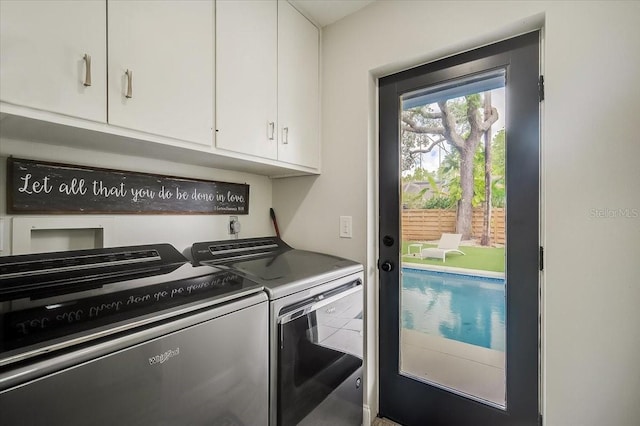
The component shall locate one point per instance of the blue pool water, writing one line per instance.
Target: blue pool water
(465, 308)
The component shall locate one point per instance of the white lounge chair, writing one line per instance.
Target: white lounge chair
(448, 243)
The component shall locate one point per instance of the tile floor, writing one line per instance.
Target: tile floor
(384, 422)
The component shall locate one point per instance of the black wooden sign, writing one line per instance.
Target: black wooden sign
(42, 187)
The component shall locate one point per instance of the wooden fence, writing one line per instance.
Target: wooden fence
(429, 224)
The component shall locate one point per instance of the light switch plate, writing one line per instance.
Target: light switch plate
(346, 227)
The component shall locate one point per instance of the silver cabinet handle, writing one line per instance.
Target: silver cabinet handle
(129, 75)
(87, 73)
(271, 129)
(285, 135)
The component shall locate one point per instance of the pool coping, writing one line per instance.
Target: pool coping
(453, 270)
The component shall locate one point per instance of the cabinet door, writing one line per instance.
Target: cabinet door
(42, 49)
(246, 77)
(167, 47)
(298, 94)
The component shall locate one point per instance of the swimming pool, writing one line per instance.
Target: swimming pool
(466, 308)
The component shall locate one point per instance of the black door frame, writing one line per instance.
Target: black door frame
(404, 399)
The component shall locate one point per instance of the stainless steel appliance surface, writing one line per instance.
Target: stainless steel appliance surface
(316, 327)
(130, 335)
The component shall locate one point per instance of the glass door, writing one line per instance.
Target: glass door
(459, 146)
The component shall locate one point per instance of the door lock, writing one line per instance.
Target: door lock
(387, 266)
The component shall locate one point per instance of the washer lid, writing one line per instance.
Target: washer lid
(295, 269)
(34, 326)
(273, 264)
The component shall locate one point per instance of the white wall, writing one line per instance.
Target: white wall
(179, 230)
(591, 151)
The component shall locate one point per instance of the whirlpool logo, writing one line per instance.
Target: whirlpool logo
(165, 356)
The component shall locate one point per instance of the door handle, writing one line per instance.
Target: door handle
(271, 128)
(387, 266)
(87, 71)
(317, 303)
(129, 93)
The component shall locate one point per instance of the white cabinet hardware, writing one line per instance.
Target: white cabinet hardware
(129, 75)
(87, 75)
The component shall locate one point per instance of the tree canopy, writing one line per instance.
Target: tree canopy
(456, 126)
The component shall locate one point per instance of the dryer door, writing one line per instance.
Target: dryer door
(320, 360)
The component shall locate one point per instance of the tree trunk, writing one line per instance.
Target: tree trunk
(465, 209)
(486, 220)
(465, 145)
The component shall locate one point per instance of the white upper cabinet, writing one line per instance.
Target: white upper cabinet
(298, 88)
(161, 70)
(267, 82)
(53, 56)
(246, 76)
(227, 83)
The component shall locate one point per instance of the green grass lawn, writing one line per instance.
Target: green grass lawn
(483, 258)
